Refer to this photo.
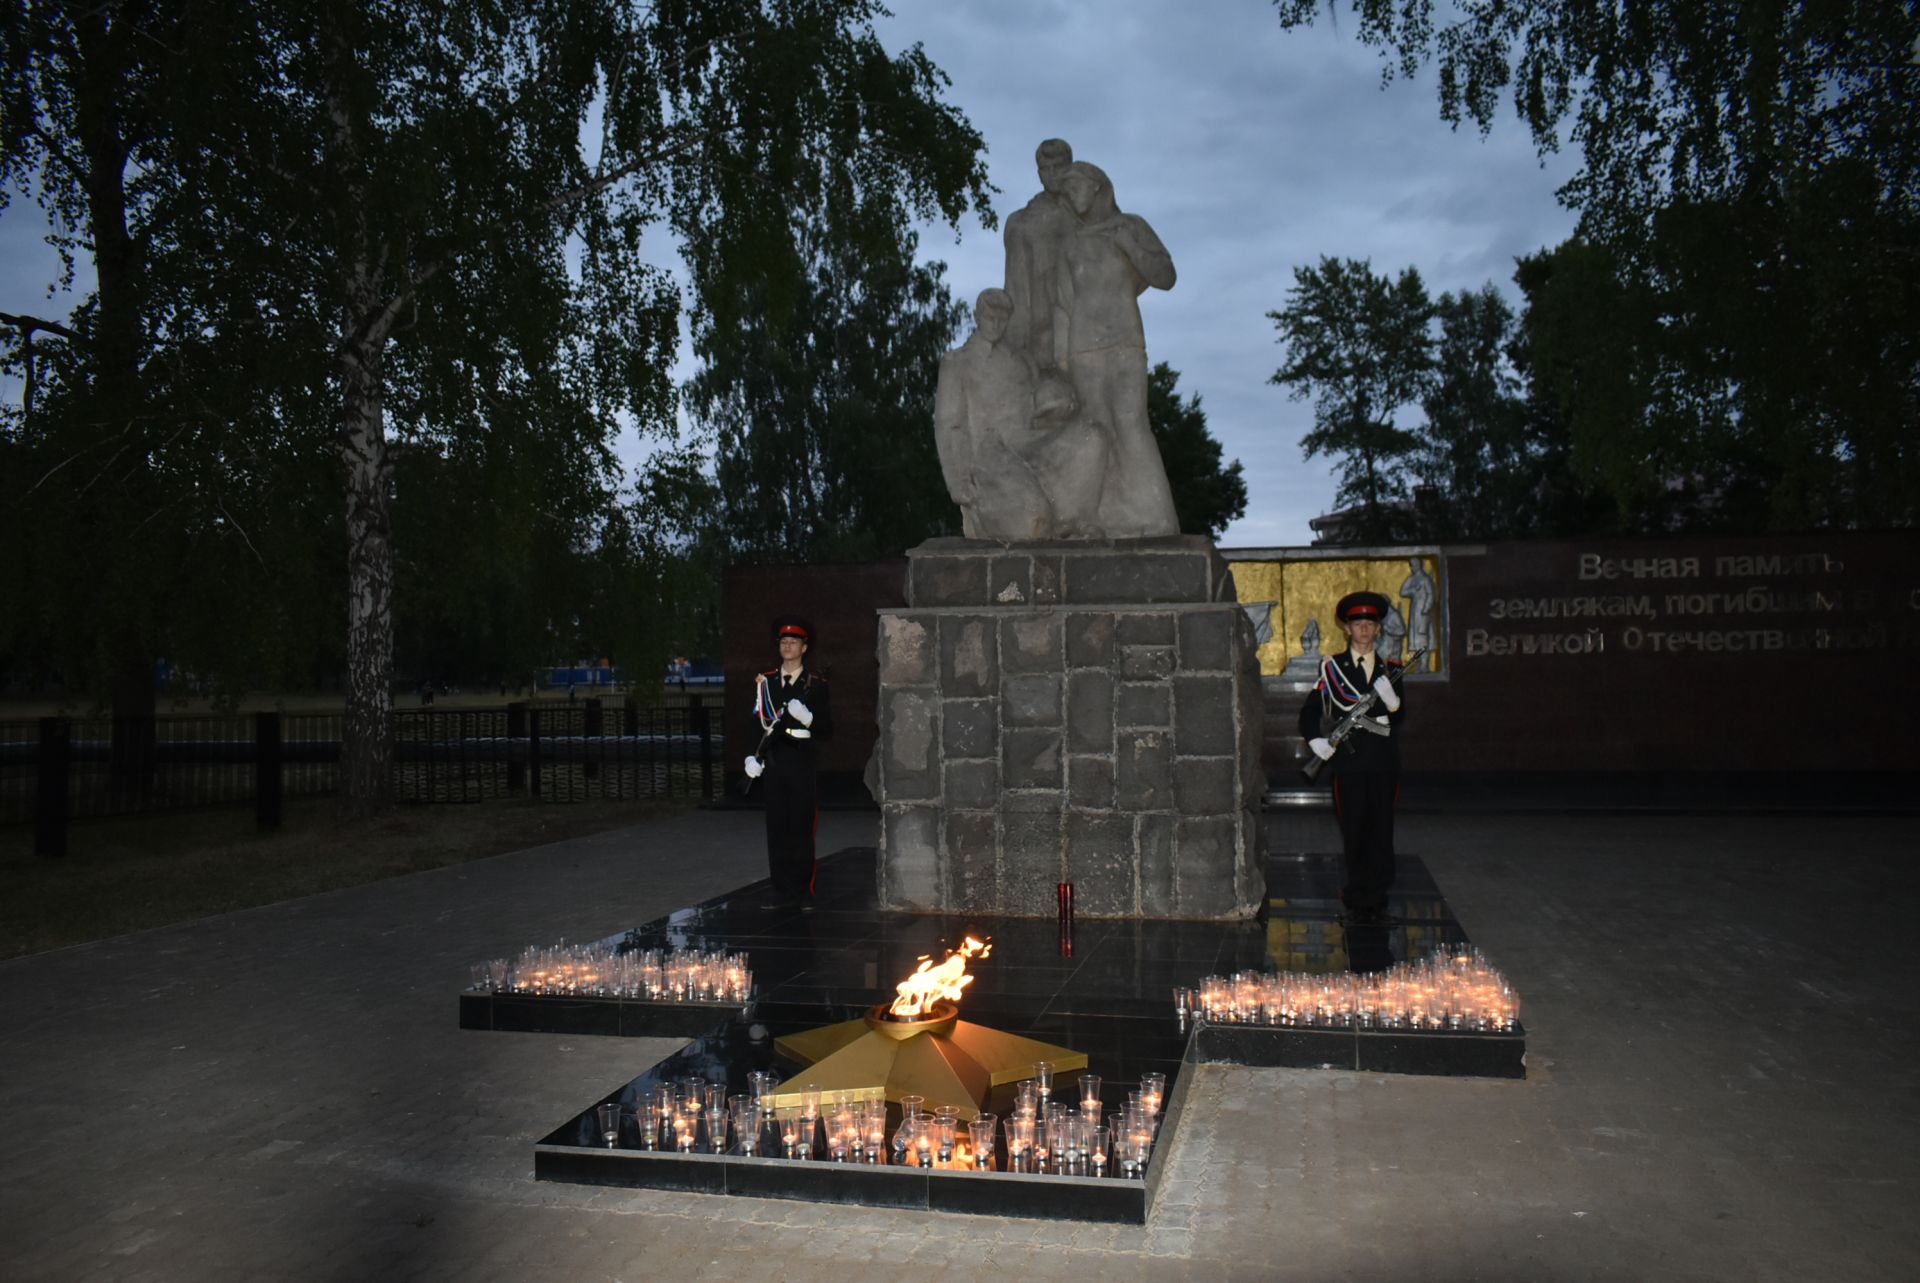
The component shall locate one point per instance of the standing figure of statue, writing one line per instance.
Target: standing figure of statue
(983, 429)
(1393, 635)
(1421, 593)
(1109, 261)
(1034, 238)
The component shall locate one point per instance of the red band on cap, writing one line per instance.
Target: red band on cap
(793, 630)
(1364, 612)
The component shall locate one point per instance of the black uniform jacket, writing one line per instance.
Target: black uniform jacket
(1325, 706)
(811, 689)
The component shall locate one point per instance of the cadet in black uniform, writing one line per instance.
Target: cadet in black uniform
(1366, 766)
(795, 712)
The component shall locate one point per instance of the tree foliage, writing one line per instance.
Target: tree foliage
(1493, 456)
(1495, 459)
(1207, 494)
(93, 457)
(1749, 201)
(1476, 459)
(817, 391)
(379, 241)
(1673, 101)
(1358, 345)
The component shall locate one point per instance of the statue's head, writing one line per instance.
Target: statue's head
(1053, 157)
(991, 312)
(1087, 189)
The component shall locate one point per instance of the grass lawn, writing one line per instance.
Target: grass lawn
(123, 875)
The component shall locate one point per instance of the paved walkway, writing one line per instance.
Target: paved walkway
(1723, 1086)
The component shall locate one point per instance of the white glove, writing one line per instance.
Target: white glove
(754, 767)
(1388, 695)
(1322, 749)
(799, 712)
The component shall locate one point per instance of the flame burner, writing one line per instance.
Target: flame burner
(939, 1012)
(947, 1060)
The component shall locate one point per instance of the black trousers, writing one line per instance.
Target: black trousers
(793, 813)
(1364, 802)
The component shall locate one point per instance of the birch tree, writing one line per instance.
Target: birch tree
(1357, 344)
(443, 228)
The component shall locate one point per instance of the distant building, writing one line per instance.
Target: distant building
(1345, 527)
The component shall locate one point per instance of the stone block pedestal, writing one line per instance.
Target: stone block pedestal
(1069, 712)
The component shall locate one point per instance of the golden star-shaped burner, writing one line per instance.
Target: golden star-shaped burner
(941, 1057)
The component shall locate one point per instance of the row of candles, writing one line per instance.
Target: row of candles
(1452, 989)
(1042, 1135)
(600, 971)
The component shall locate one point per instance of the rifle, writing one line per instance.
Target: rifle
(1357, 719)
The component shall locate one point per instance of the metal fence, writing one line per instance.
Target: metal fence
(58, 769)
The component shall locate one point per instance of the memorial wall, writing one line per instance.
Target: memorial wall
(1776, 654)
(1752, 654)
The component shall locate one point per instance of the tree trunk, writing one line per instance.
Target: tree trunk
(368, 748)
(105, 118)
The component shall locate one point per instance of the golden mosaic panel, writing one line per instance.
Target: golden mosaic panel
(1308, 589)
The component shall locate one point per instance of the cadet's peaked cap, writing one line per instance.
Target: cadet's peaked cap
(792, 626)
(1361, 605)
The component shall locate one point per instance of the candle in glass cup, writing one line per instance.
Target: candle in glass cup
(607, 1118)
(745, 1115)
(903, 1138)
(1020, 1143)
(1153, 1091)
(980, 1133)
(946, 1126)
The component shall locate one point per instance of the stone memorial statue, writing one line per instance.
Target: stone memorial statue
(1027, 737)
(1041, 416)
(983, 429)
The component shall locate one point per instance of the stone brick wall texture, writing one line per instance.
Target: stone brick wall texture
(1066, 713)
